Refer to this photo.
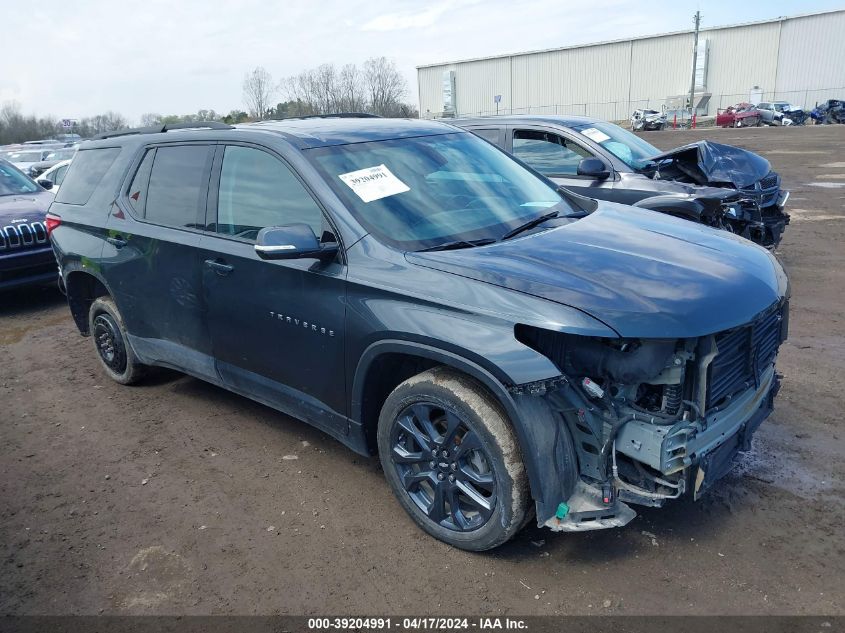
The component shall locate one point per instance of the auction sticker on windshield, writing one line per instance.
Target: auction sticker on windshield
(596, 135)
(374, 183)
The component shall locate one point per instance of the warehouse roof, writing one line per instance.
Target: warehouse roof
(629, 39)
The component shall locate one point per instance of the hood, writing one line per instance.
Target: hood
(711, 163)
(31, 207)
(642, 273)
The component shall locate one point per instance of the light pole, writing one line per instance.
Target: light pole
(694, 64)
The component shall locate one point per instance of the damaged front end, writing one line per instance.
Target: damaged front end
(758, 214)
(726, 209)
(649, 420)
(744, 216)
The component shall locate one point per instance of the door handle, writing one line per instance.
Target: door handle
(219, 267)
(118, 242)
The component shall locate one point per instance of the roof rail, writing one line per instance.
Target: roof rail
(335, 115)
(168, 127)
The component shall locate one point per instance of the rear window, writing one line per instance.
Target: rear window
(85, 173)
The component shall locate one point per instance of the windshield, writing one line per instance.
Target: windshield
(14, 182)
(423, 192)
(626, 146)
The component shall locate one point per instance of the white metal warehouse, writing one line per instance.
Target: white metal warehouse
(800, 59)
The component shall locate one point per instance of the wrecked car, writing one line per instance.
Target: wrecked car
(781, 113)
(718, 185)
(740, 115)
(828, 112)
(509, 350)
(647, 120)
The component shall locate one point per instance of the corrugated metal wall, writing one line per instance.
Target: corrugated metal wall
(791, 59)
(812, 56)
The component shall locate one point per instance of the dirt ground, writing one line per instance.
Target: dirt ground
(176, 497)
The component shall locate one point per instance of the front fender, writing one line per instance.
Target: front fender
(546, 445)
(679, 205)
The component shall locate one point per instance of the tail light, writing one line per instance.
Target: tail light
(51, 222)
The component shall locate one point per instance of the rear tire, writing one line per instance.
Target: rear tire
(111, 343)
(452, 459)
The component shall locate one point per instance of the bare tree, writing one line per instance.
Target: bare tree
(386, 86)
(258, 91)
(352, 92)
(150, 119)
(379, 88)
(106, 122)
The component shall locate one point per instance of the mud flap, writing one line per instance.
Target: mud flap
(548, 445)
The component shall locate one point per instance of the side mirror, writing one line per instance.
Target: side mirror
(594, 168)
(291, 241)
(47, 184)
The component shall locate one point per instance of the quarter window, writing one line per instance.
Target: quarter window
(178, 184)
(489, 134)
(258, 190)
(550, 154)
(137, 193)
(87, 170)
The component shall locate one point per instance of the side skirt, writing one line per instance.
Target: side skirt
(268, 392)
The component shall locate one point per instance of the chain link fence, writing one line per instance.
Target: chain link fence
(621, 110)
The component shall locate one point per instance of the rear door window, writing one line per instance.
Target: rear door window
(178, 186)
(85, 173)
(550, 154)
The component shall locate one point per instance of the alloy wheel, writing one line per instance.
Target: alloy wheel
(443, 467)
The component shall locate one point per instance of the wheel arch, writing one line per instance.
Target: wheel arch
(82, 287)
(403, 359)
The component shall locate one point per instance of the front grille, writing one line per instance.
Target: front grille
(769, 181)
(15, 236)
(744, 354)
(765, 191)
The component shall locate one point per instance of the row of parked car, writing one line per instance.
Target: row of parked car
(524, 317)
(40, 158)
(750, 115)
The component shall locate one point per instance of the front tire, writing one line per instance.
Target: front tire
(111, 343)
(451, 458)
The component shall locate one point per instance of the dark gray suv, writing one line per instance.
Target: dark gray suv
(411, 290)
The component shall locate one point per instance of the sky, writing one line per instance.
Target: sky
(80, 58)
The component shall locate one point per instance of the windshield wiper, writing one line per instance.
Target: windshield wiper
(450, 246)
(530, 224)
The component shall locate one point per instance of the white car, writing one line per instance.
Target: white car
(55, 175)
(24, 158)
(647, 120)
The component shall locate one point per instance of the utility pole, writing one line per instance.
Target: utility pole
(694, 64)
